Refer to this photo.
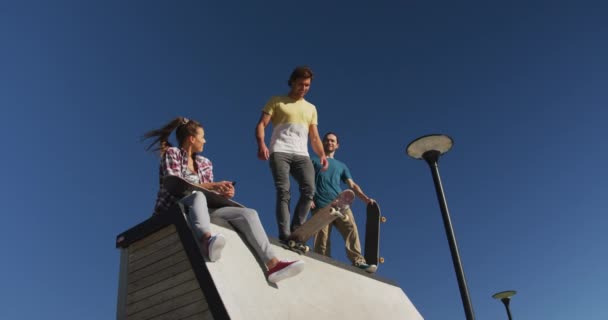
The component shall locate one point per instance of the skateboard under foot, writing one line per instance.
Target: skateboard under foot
(298, 247)
(321, 218)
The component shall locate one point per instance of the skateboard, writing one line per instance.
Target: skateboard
(372, 234)
(181, 188)
(297, 240)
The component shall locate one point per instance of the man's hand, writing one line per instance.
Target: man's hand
(312, 205)
(324, 163)
(355, 187)
(263, 153)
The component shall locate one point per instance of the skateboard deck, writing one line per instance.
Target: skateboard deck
(320, 219)
(181, 188)
(372, 234)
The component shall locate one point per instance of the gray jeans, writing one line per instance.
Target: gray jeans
(301, 168)
(244, 220)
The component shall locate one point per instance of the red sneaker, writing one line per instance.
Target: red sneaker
(284, 270)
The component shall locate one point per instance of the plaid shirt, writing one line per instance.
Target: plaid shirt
(175, 162)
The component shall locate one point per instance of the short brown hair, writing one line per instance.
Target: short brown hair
(330, 132)
(302, 72)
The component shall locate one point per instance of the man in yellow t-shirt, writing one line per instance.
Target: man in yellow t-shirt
(294, 121)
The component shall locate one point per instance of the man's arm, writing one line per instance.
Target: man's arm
(355, 187)
(263, 153)
(317, 146)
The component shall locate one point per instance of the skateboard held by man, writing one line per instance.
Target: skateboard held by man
(372, 234)
(324, 216)
(179, 187)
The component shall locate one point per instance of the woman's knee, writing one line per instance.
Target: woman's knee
(250, 214)
(199, 199)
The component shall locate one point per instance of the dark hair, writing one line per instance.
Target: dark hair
(330, 132)
(302, 72)
(183, 128)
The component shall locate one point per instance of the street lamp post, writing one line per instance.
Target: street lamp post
(505, 297)
(430, 148)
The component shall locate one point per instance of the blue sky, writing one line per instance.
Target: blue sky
(520, 86)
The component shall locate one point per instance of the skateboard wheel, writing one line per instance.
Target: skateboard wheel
(291, 244)
(383, 219)
(381, 260)
(306, 249)
(333, 211)
(345, 218)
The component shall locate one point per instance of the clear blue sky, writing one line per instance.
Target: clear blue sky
(520, 86)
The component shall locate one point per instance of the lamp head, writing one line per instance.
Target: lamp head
(505, 296)
(429, 147)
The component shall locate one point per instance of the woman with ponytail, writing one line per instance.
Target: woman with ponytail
(183, 161)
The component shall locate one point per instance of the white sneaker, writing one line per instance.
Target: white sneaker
(369, 268)
(215, 244)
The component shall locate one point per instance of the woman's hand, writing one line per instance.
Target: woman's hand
(224, 188)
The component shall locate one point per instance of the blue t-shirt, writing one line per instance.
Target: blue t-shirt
(328, 182)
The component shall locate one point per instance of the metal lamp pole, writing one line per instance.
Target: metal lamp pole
(505, 297)
(430, 148)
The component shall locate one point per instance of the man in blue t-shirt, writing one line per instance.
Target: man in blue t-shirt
(328, 187)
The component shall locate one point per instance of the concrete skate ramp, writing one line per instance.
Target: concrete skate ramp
(235, 287)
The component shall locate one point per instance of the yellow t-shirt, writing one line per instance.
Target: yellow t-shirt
(290, 121)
